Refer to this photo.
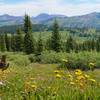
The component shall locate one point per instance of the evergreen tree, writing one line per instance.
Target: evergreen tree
(2, 43)
(39, 45)
(29, 42)
(19, 40)
(8, 42)
(27, 24)
(98, 44)
(13, 43)
(70, 44)
(93, 44)
(48, 44)
(56, 38)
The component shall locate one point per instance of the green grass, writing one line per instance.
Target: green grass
(33, 81)
(47, 86)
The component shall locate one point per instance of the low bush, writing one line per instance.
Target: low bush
(52, 57)
(32, 58)
(19, 59)
(75, 60)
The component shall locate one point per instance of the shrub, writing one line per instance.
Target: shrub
(81, 60)
(32, 58)
(18, 59)
(52, 57)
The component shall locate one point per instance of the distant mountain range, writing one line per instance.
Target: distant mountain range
(91, 20)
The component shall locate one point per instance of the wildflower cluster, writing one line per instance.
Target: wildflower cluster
(78, 79)
(57, 74)
(81, 80)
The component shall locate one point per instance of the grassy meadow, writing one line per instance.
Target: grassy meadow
(40, 81)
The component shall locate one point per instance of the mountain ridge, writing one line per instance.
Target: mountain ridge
(91, 20)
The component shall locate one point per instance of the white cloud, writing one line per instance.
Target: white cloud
(48, 6)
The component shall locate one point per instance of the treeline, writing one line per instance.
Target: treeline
(12, 28)
(24, 41)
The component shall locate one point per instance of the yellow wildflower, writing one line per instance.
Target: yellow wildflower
(78, 72)
(34, 87)
(92, 80)
(72, 83)
(86, 76)
(69, 76)
(80, 77)
(58, 76)
(56, 71)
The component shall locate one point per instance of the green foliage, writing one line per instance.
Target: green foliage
(13, 43)
(39, 45)
(12, 28)
(29, 43)
(52, 57)
(75, 60)
(2, 43)
(18, 59)
(19, 41)
(82, 59)
(70, 44)
(8, 42)
(32, 58)
(27, 24)
(56, 38)
(98, 44)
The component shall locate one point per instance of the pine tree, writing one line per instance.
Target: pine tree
(93, 44)
(48, 44)
(39, 45)
(27, 24)
(8, 42)
(29, 42)
(13, 43)
(19, 40)
(56, 38)
(98, 44)
(70, 44)
(2, 43)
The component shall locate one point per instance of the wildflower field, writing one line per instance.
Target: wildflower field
(46, 82)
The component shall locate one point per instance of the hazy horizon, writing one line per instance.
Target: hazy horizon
(48, 14)
(35, 7)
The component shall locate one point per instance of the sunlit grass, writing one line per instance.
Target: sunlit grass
(45, 82)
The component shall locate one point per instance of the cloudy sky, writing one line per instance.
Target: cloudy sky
(35, 7)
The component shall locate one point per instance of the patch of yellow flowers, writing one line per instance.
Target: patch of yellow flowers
(78, 79)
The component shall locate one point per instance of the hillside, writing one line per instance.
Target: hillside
(91, 20)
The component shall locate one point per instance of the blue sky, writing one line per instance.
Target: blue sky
(63, 1)
(34, 7)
